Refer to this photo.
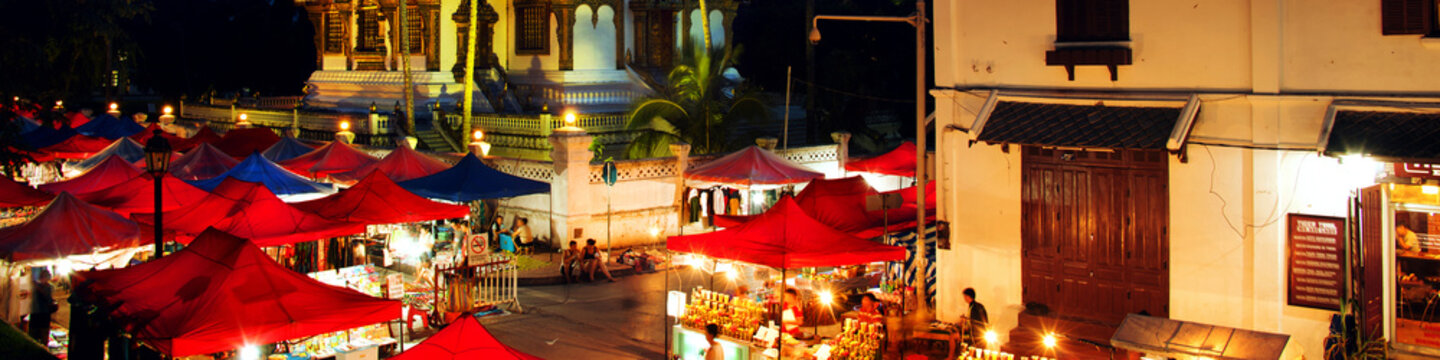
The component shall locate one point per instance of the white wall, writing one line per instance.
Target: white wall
(594, 45)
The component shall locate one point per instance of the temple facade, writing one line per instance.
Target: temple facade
(588, 56)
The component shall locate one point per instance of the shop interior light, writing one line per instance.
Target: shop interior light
(733, 274)
(826, 297)
(249, 352)
(1050, 340)
(654, 232)
(991, 338)
(1430, 189)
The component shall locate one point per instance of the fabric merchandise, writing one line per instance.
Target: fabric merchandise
(222, 292)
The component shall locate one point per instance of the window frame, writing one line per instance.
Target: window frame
(543, 48)
(1081, 21)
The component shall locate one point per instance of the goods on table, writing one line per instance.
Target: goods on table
(737, 317)
(857, 340)
(975, 353)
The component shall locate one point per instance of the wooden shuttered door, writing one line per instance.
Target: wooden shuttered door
(1094, 236)
(1371, 271)
(1403, 17)
(1092, 20)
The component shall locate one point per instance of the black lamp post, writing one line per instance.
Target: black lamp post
(157, 163)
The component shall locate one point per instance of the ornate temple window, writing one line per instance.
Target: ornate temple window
(532, 28)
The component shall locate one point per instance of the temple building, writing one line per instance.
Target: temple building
(589, 56)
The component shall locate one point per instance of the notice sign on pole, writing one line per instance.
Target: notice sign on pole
(1316, 259)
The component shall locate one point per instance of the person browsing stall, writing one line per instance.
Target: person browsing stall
(714, 352)
(791, 317)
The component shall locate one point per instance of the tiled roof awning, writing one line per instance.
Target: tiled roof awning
(1082, 126)
(1384, 134)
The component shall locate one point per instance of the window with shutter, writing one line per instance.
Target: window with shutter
(532, 28)
(1081, 29)
(1407, 17)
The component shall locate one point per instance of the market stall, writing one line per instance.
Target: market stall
(741, 183)
(125, 148)
(222, 293)
(897, 162)
(285, 149)
(335, 157)
(113, 170)
(203, 135)
(401, 164)
(202, 162)
(138, 195)
(76, 147)
(108, 127)
(783, 238)
(258, 169)
(14, 194)
(842, 204)
(470, 180)
(463, 339)
(249, 210)
(239, 143)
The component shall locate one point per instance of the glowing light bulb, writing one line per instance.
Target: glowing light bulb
(1050, 340)
(654, 232)
(826, 297)
(733, 274)
(569, 118)
(244, 117)
(1430, 189)
(344, 126)
(479, 135)
(167, 110)
(114, 106)
(249, 352)
(991, 337)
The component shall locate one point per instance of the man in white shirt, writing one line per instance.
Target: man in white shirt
(715, 352)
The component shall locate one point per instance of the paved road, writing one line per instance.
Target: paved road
(600, 320)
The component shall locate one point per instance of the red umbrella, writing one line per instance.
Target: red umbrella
(222, 293)
(463, 339)
(249, 210)
(377, 200)
(113, 170)
(67, 227)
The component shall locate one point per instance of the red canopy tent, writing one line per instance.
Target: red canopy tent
(143, 136)
(67, 227)
(76, 147)
(377, 200)
(113, 170)
(785, 237)
(138, 195)
(203, 162)
(464, 339)
(750, 167)
(841, 204)
(334, 157)
(202, 136)
(239, 143)
(898, 162)
(222, 293)
(249, 210)
(77, 119)
(14, 194)
(402, 164)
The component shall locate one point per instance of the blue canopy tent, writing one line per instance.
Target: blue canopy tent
(109, 127)
(125, 148)
(256, 168)
(471, 180)
(286, 149)
(45, 136)
(27, 124)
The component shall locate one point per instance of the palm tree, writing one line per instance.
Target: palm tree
(693, 109)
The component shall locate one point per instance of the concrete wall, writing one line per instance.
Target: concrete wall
(1265, 72)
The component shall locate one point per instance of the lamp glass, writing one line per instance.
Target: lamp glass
(569, 118)
(167, 110)
(157, 154)
(344, 126)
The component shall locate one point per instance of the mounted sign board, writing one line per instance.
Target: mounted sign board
(1315, 253)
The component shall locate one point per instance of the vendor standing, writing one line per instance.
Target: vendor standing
(979, 319)
(791, 317)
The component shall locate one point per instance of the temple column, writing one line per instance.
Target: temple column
(565, 34)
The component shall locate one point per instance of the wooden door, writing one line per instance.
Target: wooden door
(1094, 236)
(1372, 270)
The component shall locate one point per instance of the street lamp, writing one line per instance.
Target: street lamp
(917, 20)
(157, 163)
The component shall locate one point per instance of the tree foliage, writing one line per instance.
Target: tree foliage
(64, 48)
(694, 108)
